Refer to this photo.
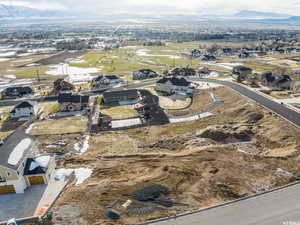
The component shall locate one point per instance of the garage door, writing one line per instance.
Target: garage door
(7, 189)
(36, 180)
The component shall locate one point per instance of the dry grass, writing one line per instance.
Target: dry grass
(76, 124)
(3, 135)
(200, 103)
(173, 155)
(120, 112)
(168, 103)
(48, 108)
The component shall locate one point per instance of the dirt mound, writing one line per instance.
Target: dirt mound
(227, 192)
(69, 215)
(228, 134)
(253, 117)
(169, 144)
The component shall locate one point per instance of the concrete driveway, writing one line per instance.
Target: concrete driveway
(21, 205)
(28, 204)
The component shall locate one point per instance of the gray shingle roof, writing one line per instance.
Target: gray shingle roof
(9, 145)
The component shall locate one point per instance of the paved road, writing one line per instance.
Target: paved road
(282, 110)
(12, 102)
(274, 208)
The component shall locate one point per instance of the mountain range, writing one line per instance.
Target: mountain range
(256, 14)
(16, 12)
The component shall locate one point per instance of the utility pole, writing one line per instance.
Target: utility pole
(173, 61)
(38, 76)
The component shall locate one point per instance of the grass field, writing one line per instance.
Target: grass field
(124, 61)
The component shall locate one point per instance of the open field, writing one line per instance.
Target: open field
(123, 61)
(120, 112)
(69, 125)
(237, 152)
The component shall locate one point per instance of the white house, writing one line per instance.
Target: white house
(18, 166)
(25, 110)
(107, 81)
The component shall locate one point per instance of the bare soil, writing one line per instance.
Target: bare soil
(235, 153)
(201, 101)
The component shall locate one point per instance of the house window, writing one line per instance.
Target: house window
(18, 173)
(8, 174)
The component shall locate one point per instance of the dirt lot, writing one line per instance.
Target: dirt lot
(120, 112)
(201, 101)
(68, 125)
(242, 150)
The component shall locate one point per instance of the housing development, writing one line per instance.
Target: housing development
(130, 122)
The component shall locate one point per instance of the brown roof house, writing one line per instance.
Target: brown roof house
(125, 97)
(276, 82)
(182, 71)
(60, 85)
(242, 73)
(72, 102)
(175, 85)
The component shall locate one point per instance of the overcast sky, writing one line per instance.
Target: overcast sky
(163, 7)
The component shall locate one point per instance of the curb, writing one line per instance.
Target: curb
(221, 205)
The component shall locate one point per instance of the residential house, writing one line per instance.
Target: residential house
(242, 73)
(143, 74)
(175, 85)
(244, 55)
(16, 91)
(279, 51)
(276, 82)
(25, 110)
(60, 85)
(208, 58)
(106, 81)
(70, 102)
(196, 53)
(125, 97)
(204, 71)
(182, 71)
(18, 166)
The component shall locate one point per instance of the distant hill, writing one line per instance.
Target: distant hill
(20, 11)
(294, 19)
(256, 14)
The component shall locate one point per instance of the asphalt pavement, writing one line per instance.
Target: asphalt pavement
(281, 110)
(281, 207)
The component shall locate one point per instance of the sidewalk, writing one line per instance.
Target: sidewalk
(52, 191)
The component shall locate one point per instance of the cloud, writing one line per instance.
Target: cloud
(163, 7)
(45, 5)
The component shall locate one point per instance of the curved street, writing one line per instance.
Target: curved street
(281, 110)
